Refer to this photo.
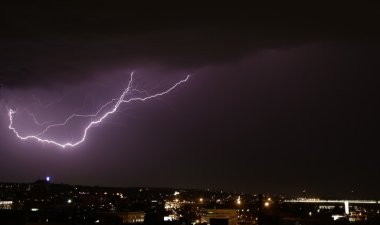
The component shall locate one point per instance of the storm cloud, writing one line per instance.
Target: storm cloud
(43, 42)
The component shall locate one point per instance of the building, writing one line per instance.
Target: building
(132, 217)
(6, 204)
(220, 217)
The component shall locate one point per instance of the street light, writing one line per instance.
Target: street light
(238, 201)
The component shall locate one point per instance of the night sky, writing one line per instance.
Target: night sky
(281, 98)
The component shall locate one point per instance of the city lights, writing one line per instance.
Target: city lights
(238, 201)
(184, 206)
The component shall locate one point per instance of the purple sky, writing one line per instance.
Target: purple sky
(275, 104)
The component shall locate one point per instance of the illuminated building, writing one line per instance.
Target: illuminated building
(6, 204)
(220, 216)
(132, 217)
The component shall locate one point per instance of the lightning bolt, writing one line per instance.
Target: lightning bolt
(100, 112)
(35, 119)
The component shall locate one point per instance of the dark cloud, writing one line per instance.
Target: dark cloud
(44, 42)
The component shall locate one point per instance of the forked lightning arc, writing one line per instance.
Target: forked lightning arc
(98, 114)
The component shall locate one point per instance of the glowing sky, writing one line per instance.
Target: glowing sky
(129, 94)
(279, 100)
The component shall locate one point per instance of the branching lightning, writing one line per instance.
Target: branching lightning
(99, 114)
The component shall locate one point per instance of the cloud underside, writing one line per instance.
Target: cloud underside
(43, 43)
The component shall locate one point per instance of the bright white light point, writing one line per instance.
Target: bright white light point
(69, 201)
(346, 208)
(266, 204)
(238, 201)
(119, 101)
(47, 178)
